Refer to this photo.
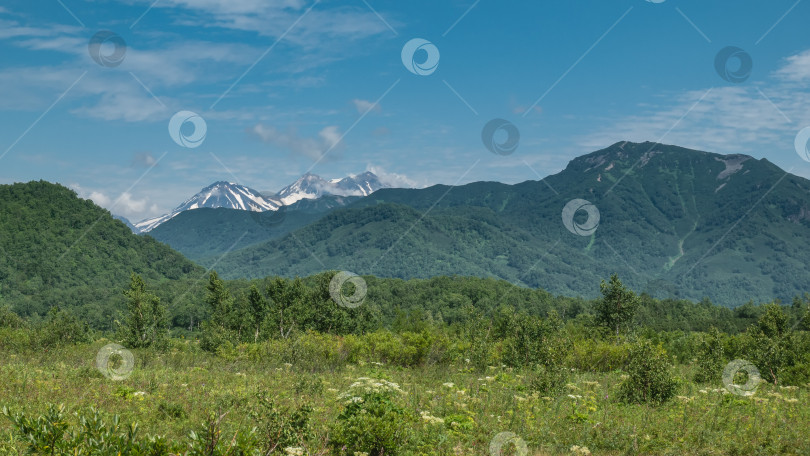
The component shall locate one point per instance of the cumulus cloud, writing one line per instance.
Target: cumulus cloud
(364, 106)
(393, 179)
(327, 139)
(125, 204)
(796, 68)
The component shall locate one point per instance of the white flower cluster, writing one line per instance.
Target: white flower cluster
(431, 419)
(580, 450)
(294, 451)
(366, 385)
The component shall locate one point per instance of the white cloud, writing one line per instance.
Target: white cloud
(796, 68)
(393, 179)
(314, 148)
(742, 118)
(364, 106)
(126, 204)
(144, 159)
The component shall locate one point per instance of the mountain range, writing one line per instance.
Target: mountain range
(235, 196)
(673, 222)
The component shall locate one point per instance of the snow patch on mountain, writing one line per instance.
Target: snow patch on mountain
(218, 194)
(311, 186)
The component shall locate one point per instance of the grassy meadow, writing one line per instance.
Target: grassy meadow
(447, 409)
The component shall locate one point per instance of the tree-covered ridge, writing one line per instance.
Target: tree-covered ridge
(667, 215)
(58, 249)
(206, 233)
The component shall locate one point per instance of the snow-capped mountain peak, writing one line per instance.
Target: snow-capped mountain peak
(218, 194)
(235, 196)
(311, 186)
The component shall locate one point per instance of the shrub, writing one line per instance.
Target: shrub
(711, 358)
(650, 379)
(279, 427)
(372, 422)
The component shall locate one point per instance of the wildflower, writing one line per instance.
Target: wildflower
(294, 451)
(139, 393)
(519, 398)
(703, 391)
(589, 383)
(431, 419)
(448, 384)
(580, 450)
(360, 453)
(287, 365)
(789, 388)
(792, 400)
(572, 387)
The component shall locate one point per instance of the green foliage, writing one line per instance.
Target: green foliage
(146, 325)
(58, 248)
(650, 378)
(280, 427)
(62, 327)
(372, 421)
(52, 434)
(710, 358)
(616, 309)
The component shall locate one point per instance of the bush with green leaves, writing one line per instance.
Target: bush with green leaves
(650, 378)
(711, 358)
(280, 427)
(372, 421)
(52, 434)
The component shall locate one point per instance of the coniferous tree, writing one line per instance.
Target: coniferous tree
(618, 305)
(146, 323)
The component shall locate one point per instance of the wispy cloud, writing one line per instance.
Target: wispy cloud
(314, 148)
(730, 119)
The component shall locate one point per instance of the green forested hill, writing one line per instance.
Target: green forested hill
(674, 222)
(208, 232)
(58, 249)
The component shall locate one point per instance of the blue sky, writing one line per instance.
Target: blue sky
(290, 86)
